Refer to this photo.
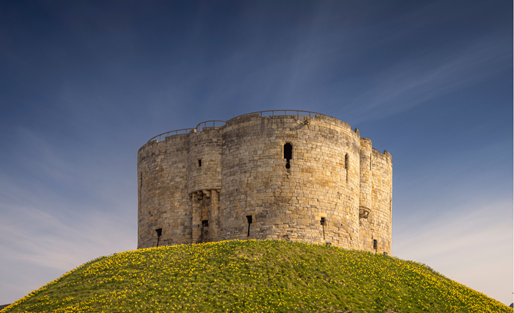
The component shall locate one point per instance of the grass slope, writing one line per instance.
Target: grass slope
(253, 276)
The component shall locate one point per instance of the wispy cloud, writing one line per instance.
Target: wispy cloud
(465, 244)
(417, 79)
(46, 245)
(62, 209)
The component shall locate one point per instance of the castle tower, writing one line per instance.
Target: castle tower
(300, 177)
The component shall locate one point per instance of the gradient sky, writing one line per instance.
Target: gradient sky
(84, 85)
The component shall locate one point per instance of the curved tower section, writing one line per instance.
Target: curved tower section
(162, 192)
(381, 199)
(365, 212)
(285, 177)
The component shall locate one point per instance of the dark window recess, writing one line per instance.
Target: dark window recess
(159, 233)
(200, 163)
(249, 220)
(205, 223)
(322, 222)
(346, 165)
(288, 154)
(375, 244)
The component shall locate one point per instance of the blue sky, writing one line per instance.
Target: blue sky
(85, 84)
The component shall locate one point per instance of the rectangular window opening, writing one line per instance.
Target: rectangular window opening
(375, 244)
(322, 221)
(200, 163)
(205, 223)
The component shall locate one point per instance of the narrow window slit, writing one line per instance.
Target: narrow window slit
(200, 163)
(159, 233)
(322, 222)
(249, 220)
(375, 244)
(346, 165)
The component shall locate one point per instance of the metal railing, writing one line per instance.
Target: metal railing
(200, 126)
(163, 136)
(293, 112)
(220, 123)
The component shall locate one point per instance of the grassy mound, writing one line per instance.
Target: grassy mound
(253, 276)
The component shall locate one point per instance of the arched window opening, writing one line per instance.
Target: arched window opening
(288, 154)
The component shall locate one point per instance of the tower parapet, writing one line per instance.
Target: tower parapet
(301, 177)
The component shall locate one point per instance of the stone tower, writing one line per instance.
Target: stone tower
(289, 175)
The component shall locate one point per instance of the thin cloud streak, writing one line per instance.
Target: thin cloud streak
(415, 81)
(66, 242)
(463, 241)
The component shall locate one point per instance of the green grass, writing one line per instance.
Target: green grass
(253, 276)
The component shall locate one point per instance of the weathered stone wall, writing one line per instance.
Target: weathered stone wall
(244, 175)
(163, 196)
(381, 199)
(204, 180)
(289, 203)
(366, 184)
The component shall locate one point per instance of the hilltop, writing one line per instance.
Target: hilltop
(253, 276)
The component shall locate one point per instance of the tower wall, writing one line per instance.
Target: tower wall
(283, 201)
(246, 173)
(163, 196)
(366, 184)
(204, 147)
(381, 200)
(204, 182)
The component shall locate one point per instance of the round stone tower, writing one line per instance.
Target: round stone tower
(290, 175)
